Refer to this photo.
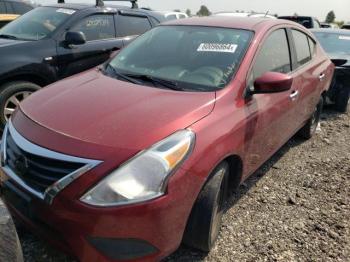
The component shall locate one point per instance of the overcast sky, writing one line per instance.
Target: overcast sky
(318, 8)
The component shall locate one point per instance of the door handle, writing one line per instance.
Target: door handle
(294, 95)
(322, 76)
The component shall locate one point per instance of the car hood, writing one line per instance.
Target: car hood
(95, 108)
(9, 42)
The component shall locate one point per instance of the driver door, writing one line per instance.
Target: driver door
(271, 117)
(101, 41)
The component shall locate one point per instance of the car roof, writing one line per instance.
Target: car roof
(107, 8)
(21, 1)
(331, 31)
(85, 6)
(247, 23)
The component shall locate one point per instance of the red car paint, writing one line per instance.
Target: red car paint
(114, 122)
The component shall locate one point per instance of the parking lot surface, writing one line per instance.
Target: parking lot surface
(295, 208)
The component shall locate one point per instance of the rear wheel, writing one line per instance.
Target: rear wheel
(309, 129)
(342, 100)
(11, 95)
(204, 224)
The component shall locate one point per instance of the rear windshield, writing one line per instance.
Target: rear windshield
(37, 24)
(195, 57)
(334, 43)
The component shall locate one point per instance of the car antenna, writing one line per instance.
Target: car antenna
(267, 13)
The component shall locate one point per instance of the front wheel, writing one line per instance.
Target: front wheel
(309, 129)
(11, 95)
(204, 224)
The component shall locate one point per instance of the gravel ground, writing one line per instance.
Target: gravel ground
(10, 250)
(295, 208)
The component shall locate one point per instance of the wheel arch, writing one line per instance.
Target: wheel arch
(33, 78)
(236, 171)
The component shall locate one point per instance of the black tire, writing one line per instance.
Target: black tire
(309, 129)
(204, 223)
(342, 100)
(10, 89)
(10, 247)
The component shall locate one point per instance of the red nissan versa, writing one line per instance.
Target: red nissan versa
(127, 161)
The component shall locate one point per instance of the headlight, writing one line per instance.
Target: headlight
(145, 176)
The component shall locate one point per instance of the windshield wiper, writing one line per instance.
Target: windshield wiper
(8, 36)
(155, 80)
(122, 76)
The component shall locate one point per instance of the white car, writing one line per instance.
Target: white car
(242, 14)
(174, 15)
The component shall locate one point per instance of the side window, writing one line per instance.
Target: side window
(301, 41)
(182, 16)
(96, 27)
(312, 45)
(154, 20)
(21, 8)
(171, 17)
(132, 25)
(2, 8)
(274, 56)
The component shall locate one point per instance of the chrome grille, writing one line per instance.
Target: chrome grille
(41, 171)
(36, 171)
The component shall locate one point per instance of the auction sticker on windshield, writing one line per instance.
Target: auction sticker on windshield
(65, 11)
(216, 47)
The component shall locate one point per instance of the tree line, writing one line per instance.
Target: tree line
(204, 11)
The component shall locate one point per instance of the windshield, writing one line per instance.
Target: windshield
(36, 24)
(334, 43)
(192, 57)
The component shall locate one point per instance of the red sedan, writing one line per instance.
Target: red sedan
(126, 161)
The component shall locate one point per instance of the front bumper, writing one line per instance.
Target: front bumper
(143, 232)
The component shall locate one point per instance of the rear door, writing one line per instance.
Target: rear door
(130, 24)
(270, 117)
(101, 41)
(310, 74)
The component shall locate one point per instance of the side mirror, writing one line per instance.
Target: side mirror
(272, 82)
(339, 62)
(75, 38)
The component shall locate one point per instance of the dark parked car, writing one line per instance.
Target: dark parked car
(346, 26)
(56, 41)
(126, 161)
(306, 21)
(337, 44)
(11, 9)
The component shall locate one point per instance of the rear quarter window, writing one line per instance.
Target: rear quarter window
(312, 45)
(132, 25)
(301, 42)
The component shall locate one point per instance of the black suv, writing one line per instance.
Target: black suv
(16, 7)
(56, 41)
(306, 21)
